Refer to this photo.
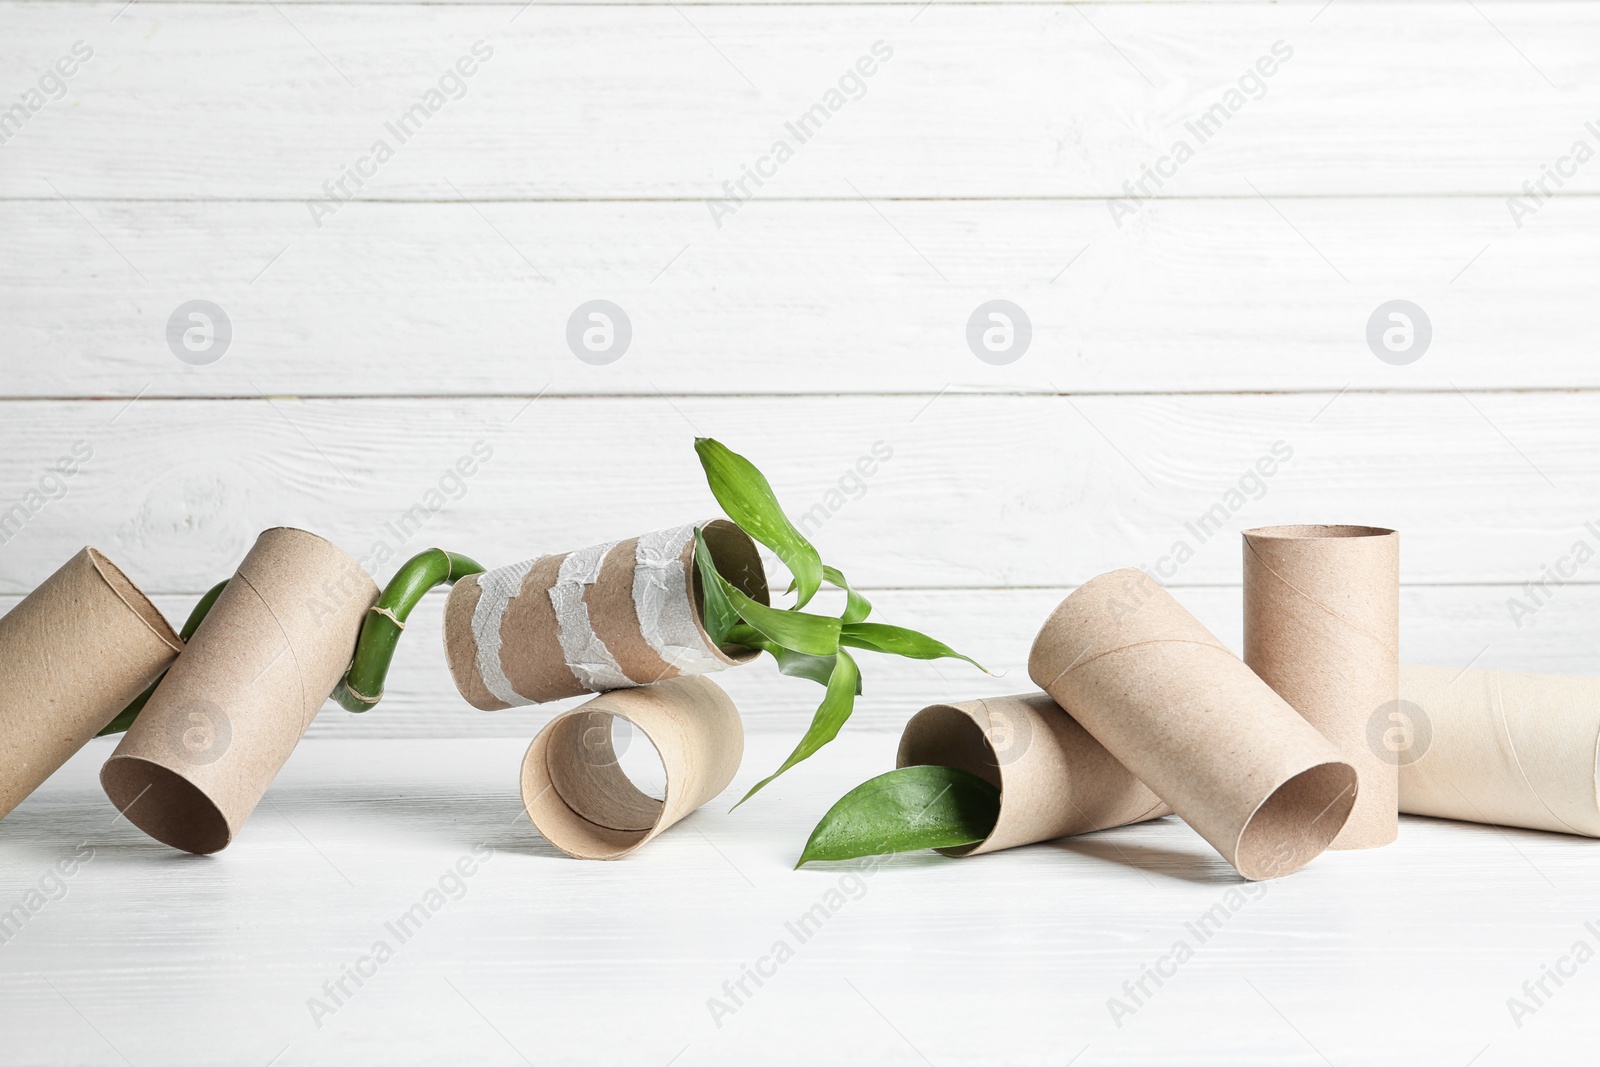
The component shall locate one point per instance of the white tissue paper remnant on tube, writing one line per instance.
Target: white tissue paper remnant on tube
(606, 617)
(585, 652)
(1498, 747)
(667, 616)
(497, 589)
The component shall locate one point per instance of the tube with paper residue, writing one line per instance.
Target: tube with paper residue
(606, 617)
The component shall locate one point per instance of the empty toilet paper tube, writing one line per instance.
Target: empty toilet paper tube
(1055, 779)
(1322, 627)
(577, 795)
(1497, 747)
(201, 754)
(72, 655)
(1190, 720)
(606, 617)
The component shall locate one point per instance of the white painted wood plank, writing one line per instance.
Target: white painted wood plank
(978, 100)
(978, 492)
(1450, 625)
(1008, 958)
(794, 297)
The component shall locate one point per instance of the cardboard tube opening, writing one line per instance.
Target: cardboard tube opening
(165, 805)
(1055, 779)
(1304, 532)
(1278, 838)
(136, 601)
(577, 793)
(587, 775)
(945, 736)
(739, 561)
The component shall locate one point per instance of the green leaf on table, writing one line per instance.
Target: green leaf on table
(899, 641)
(748, 499)
(906, 810)
(719, 614)
(836, 706)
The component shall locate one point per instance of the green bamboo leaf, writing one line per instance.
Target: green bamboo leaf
(816, 635)
(748, 499)
(906, 810)
(795, 664)
(720, 615)
(857, 607)
(831, 714)
(899, 641)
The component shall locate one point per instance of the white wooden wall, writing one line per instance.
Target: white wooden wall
(374, 345)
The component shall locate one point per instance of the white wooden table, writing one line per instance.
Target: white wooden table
(1403, 955)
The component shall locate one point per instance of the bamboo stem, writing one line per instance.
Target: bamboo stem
(362, 685)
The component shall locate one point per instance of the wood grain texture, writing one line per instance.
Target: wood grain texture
(976, 492)
(644, 102)
(794, 297)
(535, 958)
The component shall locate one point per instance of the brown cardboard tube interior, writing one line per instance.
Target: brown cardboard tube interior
(165, 805)
(578, 796)
(942, 736)
(1278, 838)
(1055, 779)
(739, 561)
(137, 602)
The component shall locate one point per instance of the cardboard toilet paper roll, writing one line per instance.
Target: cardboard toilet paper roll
(1497, 747)
(220, 725)
(1191, 721)
(580, 799)
(72, 655)
(1055, 779)
(607, 617)
(1322, 627)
